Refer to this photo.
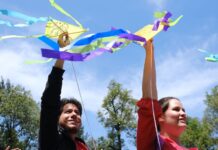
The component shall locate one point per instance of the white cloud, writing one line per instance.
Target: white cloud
(157, 4)
(12, 60)
(183, 76)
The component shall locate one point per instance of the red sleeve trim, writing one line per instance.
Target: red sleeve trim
(145, 106)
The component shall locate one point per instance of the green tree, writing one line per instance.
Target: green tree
(204, 133)
(197, 134)
(211, 114)
(90, 141)
(100, 144)
(19, 116)
(118, 116)
(81, 134)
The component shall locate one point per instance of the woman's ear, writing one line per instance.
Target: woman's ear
(161, 119)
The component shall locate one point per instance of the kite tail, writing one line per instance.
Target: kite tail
(59, 8)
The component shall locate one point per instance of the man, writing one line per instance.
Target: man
(60, 120)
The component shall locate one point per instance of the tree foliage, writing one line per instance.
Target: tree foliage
(211, 114)
(118, 116)
(19, 116)
(97, 144)
(197, 134)
(204, 134)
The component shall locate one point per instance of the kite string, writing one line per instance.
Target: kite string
(57, 25)
(93, 141)
(152, 103)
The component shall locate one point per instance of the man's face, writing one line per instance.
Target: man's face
(70, 118)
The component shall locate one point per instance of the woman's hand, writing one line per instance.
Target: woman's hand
(149, 45)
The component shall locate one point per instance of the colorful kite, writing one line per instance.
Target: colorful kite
(210, 57)
(89, 46)
(94, 45)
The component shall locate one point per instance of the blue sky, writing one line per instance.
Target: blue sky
(181, 69)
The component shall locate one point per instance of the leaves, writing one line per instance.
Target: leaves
(197, 134)
(19, 116)
(204, 134)
(118, 115)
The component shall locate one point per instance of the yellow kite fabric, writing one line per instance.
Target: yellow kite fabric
(54, 28)
(147, 31)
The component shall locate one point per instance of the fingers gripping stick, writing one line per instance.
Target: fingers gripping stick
(63, 39)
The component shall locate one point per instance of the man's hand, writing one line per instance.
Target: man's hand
(63, 39)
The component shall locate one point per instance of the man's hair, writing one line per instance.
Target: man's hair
(74, 101)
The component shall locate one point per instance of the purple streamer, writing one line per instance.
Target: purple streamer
(95, 53)
(164, 19)
(133, 37)
(117, 44)
(156, 25)
(165, 28)
(61, 55)
(72, 56)
(168, 15)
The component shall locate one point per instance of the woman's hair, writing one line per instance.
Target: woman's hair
(164, 103)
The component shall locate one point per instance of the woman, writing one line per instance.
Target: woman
(170, 116)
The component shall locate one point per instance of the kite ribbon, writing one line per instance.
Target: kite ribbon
(38, 61)
(29, 20)
(49, 42)
(163, 20)
(88, 40)
(61, 55)
(18, 36)
(87, 56)
(59, 8)
(72, 56)
(132, 37)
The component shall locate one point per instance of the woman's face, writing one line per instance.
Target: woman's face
(174, 118)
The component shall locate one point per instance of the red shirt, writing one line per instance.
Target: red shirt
(81, 146)
(146, 136)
